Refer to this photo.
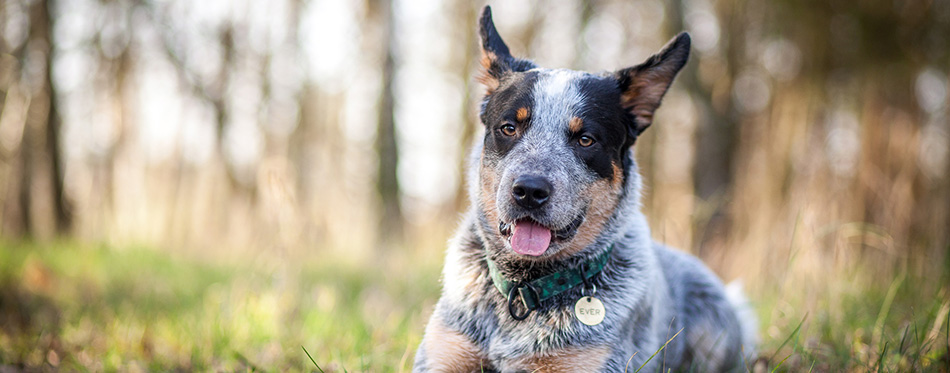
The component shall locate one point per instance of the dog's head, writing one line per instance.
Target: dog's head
(557, 142)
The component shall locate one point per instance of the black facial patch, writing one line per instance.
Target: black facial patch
(501, 107)
(605, 121)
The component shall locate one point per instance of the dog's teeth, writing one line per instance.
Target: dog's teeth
(504, 228)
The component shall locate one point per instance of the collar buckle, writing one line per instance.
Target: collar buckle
(519, 286)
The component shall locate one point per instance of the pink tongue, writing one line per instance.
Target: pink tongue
(529, 238)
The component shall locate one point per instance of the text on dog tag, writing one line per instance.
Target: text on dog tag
(589, 310)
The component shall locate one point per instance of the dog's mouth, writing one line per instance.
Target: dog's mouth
(528, 237)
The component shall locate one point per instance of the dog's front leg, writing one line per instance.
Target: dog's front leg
(571, 359)
(446, 350)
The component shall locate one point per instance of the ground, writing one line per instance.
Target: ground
(81, 307)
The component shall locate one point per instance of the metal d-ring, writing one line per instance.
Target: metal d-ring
(593, 290)
(511, 300)
(588, 284)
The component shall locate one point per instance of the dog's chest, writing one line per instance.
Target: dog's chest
(488, 319)
(485, 319)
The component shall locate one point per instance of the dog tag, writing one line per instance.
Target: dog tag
(589, 310)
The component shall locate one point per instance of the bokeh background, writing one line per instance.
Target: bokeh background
(212, 185)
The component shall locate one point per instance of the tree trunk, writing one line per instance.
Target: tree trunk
(60, 205)
(24, 196)
(387, 150)
(716, 133)
(40, 154)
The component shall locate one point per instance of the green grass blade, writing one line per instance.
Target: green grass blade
(789, 338)
(886, 308)
(916, 339)
(900, 347)
(240, 357)
(780, 363)
(880, 358)
(658, 351)
(311, 359)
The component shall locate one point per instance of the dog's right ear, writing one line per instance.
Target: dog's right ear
(496, 59)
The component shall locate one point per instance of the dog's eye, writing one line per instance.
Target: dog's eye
(585, 141)
(508, 130)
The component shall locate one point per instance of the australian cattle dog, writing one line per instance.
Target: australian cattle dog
(553, 268)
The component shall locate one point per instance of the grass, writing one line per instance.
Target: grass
(94, 308)
(900, 326)
(80, 307)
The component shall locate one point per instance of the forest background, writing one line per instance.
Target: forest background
(216, 184)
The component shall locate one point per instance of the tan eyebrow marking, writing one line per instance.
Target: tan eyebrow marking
(522, 114)
(575, 124)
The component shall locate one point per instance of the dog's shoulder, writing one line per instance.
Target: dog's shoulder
(703, 308)
(687, 276)
(465, 274)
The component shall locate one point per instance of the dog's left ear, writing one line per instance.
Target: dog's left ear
(496, 59)
(642, 87)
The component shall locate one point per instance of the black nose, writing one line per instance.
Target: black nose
(531, 192)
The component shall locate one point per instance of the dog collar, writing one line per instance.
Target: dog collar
(540, 289)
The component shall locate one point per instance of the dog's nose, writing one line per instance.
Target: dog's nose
(531, 192)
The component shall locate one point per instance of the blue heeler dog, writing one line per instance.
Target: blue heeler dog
(553, 269)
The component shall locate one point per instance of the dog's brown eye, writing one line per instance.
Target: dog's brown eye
(508, 130)
(585, 141)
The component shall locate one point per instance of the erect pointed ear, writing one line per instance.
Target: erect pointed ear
(642, 87)
(496, 59)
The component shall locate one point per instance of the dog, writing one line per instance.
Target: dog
(553, 268)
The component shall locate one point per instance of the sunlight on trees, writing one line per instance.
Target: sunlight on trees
(804, 140)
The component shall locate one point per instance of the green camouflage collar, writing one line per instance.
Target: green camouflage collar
(540, 289)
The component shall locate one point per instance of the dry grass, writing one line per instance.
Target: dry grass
(79, 307)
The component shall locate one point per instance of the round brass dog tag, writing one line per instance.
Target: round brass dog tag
(589, 310)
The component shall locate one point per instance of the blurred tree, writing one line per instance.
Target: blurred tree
(387, 150)
(213, 92)
(713, 160)
(244, 66)
(716, 130)
(41, 207)
(117, 65)
(466, 13)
